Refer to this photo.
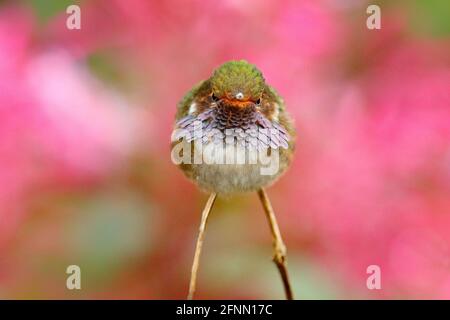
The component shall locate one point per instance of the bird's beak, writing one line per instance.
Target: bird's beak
(238, 101)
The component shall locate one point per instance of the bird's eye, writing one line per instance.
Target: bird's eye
(258, 102)
(214, 97)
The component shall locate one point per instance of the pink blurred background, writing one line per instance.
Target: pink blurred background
(85, 170)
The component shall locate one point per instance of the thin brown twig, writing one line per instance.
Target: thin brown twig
(198, 247)
(279, 248)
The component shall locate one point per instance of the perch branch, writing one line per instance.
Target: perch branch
(278, 246)
(198, 247)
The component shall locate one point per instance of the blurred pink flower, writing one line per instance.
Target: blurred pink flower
(57, 122)
(373, 176)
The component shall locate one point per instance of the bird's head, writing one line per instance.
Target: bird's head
(237, 84)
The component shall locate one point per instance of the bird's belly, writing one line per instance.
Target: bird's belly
(234, 169)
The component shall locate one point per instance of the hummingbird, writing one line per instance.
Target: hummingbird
(228, 130)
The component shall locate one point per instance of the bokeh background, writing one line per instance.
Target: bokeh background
(85, 170)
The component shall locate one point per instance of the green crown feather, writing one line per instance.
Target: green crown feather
(235, 77)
